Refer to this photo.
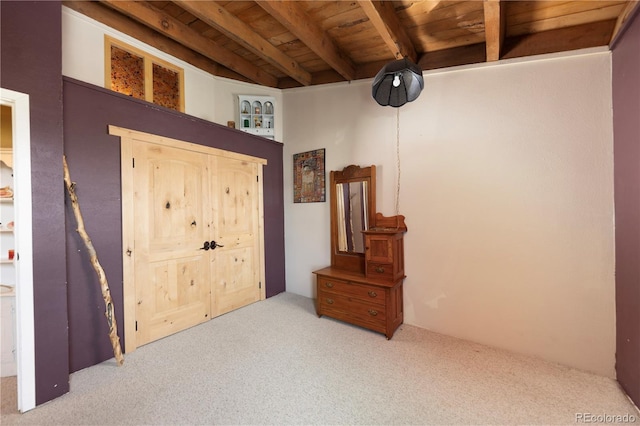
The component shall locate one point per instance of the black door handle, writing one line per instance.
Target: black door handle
(210, 245)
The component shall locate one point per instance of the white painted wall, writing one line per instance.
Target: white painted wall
(507, 187)
(206, 96)
(506, 183)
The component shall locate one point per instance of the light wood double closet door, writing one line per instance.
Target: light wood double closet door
(197, 235)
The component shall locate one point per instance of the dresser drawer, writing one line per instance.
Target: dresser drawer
(337, 306)
(371, 294)
(380, 271)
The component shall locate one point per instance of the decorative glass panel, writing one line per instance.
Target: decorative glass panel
(166, 87)
(127, 73)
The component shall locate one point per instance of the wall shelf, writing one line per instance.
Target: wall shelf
(6, 156)
(256, 115)
(7, 213)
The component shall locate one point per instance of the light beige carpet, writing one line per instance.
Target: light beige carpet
(275, 362)
(9, 395)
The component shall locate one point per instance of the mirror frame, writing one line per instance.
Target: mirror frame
(340, 259)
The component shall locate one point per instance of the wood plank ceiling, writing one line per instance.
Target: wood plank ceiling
(284, 44)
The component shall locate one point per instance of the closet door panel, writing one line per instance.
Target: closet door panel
(171, 224)
(236, 215)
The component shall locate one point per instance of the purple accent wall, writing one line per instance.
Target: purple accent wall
(31, 63)
(94, 162)
(626, 151)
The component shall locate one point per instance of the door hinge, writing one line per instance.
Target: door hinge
(136, 325)
(133, 163)
(257, 178)
(259, 284)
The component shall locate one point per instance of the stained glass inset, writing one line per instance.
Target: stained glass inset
(166, 87)
(127, 73)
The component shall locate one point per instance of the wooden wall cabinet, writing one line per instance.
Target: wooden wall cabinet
(384, 255)
(364, 289)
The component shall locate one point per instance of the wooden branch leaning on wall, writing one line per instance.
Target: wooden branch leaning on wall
(104, 285)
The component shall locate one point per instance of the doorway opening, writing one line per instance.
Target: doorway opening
(21, 262)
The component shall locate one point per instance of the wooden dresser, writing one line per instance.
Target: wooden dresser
(362, 287)
(352, 297)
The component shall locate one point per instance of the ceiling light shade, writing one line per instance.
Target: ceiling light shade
(397, 83)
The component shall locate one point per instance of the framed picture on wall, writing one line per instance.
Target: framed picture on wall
(308, 177)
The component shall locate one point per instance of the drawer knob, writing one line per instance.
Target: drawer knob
(372, 294)
(373, 313)
(330, 301)
(328, 284)
(380, 269)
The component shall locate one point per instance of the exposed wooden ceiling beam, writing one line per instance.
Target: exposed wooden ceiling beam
(494, 28)
(463, 55)
(628, 11)
(218, 17)
(291, 15)
(174, 29)
(118, 21)
(452, 57)
(560, 40)
(383, 17)
(445, 33)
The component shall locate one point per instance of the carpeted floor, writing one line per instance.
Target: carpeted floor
(9, 396)
(276, 362)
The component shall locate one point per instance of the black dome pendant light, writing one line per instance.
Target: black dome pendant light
(397, 83)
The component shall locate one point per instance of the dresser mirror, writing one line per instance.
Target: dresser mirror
(353, 218)
(353, 206)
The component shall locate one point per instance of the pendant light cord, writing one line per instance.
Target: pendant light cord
(398, 160)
